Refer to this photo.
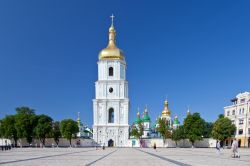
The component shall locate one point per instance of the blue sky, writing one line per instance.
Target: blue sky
(195, 52)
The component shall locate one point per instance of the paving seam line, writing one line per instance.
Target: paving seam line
(101, 158)
(166, 159)
(215, 157)
(41, 157)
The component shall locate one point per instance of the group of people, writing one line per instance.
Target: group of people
(6, 146)
(234, 147)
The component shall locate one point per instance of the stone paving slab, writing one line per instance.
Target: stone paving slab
(130, 157)
(203, 156)
(122, 157)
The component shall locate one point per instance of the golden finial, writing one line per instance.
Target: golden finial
(146, 109)
(111, 52)
(166, 111)
(78, 115)
(78, 118)
(188, 111)
(138, 112)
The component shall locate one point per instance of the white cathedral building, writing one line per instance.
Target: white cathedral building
(111, 103)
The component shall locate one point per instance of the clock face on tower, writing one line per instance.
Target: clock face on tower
(110, 90)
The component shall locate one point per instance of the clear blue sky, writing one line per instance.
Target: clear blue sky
(195, 52)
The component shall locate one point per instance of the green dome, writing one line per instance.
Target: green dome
(146, 118)
(176, 121)
(138, 120)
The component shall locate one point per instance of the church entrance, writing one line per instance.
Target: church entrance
(239, 143)
(110, 143)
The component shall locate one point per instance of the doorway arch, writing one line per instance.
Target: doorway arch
(239, 143)
(110, 143)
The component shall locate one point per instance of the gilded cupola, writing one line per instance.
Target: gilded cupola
(111, 52)
(166, 112)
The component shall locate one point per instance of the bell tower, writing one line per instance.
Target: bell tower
(111, 103)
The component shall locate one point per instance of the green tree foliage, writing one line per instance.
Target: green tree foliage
(223, 129)
(163, 129)
(208, 127)
(1, 129)
(221, 116)
(8, 129)
(137, 130)
(69, 129)
(25, 123)
(43, 128)
(194, 127)
(178, 134)
(56, 133)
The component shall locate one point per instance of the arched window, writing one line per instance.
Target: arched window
(111, 71)
(111, 115)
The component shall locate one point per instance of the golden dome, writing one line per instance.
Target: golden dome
(138, 114)
(166, 111)
(111, 52)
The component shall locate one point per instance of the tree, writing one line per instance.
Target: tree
(69, 128)
(178, 134)
(1, 129)
(163, 129)
(43, 128)
(223, 129)
(25, 123)
(208, 127)
(137, 130)
(8, 129)
(194, 127)
(221, 116)
(56, 133)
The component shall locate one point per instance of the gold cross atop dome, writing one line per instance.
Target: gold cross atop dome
(111, 52)
(112, 19)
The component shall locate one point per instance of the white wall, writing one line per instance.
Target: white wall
(2, 141)
(205, 143)
(63, 142)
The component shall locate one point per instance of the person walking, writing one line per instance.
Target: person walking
(103, 146)
(218, 146)
(235, 149)
(154, 146)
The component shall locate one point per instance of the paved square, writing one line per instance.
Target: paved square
(122, 156)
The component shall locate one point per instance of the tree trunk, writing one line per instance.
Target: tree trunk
(164, 141)
(43, 142)
(192, 144)
(15, 140)
(57, 142)
(70, 142)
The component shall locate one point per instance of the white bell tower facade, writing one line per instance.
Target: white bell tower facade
(111, 103)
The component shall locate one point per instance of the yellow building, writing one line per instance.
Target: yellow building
(239, 113)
